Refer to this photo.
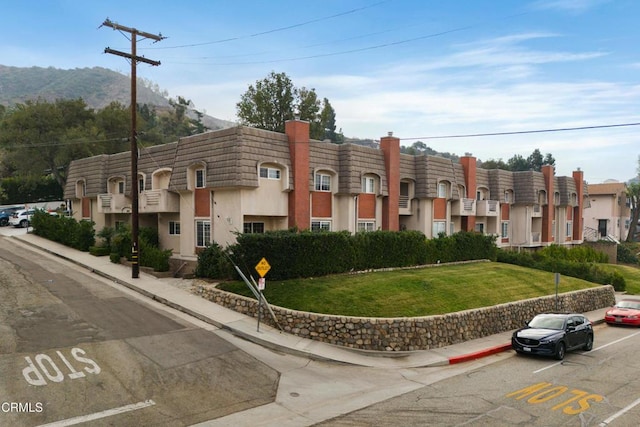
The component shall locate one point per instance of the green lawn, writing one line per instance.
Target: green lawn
(420, 292)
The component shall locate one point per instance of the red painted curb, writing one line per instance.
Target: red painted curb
(479, 354)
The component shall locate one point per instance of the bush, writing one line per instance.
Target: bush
(64, 230)
(626, 253)
(214, 263)
(99, 250)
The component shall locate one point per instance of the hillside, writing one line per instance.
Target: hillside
(97, 86)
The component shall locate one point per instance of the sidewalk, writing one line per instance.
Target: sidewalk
(172, 293)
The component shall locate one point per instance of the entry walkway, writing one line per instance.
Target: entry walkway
(173, 293)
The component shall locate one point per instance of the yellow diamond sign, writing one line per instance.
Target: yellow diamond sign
(262, 267)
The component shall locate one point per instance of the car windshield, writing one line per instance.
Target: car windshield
(547, 322)
(629, 304)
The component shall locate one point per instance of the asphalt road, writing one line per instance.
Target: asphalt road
(597, 388)
(75, 349)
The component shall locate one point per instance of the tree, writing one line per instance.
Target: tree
(633, 193)
(268, 104)
(518, 163)
(494, 164)
(273, 100)
(328, 120)
(309, 110)
(38, 136)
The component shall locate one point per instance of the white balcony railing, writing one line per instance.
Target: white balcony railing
(487, 207)
(463, 207)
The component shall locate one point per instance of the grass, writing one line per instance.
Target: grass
(420, 292)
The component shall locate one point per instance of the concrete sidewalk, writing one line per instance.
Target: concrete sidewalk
(173, 292)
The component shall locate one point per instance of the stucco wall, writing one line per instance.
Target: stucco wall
(413, 333)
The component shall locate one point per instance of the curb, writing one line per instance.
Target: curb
(479, 354)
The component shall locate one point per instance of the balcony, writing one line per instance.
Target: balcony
(405, 205)
(113, 203)
(487, 208)
(463, 207)
(537, 211)
(156, 201)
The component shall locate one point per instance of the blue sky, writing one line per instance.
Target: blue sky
(418, 68)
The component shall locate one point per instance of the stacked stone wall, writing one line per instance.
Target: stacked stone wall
(413, 333)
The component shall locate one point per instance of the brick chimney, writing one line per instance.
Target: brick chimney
(390, 147)
(469, 166)
(578, 220)
(297, 132)
(548, 211)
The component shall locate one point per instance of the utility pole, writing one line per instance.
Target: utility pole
(135, 266)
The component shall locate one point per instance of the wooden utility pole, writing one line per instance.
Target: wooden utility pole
(135, 266)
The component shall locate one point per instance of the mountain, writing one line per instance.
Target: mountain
(97, 86)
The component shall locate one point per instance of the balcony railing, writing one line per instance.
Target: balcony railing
(150, 201)
(463, 207)
(404, 202)
(154, 201)
(113, 203)
(487, 207)
(537, 211)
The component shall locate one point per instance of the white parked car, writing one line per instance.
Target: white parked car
(21, 218)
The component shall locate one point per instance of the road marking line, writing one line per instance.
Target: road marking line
(617, 414)
(595, 349)
(98, 415)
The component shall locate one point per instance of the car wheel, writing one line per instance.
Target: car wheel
(589, 344)
(561, 349)
(24, 223)
(4, 222)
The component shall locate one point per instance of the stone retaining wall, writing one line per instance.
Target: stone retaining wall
(412, 333)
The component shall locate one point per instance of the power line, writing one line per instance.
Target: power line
(262, 33)
(475, 135)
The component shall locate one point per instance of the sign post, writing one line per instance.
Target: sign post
(262, 268)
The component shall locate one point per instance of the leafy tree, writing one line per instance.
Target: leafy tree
(37, 136)
(494, 164)
(273, 100)
(309, 110)
(113, 124)
(633, 193)
(268, 104)
(535, 160)
(518, 163)
(328, 120)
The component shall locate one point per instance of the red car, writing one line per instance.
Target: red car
(625, 312)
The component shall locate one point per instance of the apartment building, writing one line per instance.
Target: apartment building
(608, 212)
(209, 187)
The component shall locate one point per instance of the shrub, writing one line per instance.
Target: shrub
(626, 253)
(214, 263)
(99, 250)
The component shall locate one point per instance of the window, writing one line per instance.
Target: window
(508, 196)
(174, 228)
(505, 229)
(140, 185)
(203, 233)
(320, 225)
(368, 185)
(323, 182)
(366, 226)
(253, 227)
(442, 190)
(479, 228)
(120, 187)
(569, 232)
(199, 178)
(269, 173)
(439, 227)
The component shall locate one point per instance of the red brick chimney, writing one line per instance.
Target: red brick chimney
(297, 132)
(548, 210)
(578, 220)
(469, 166)
(390, 147)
